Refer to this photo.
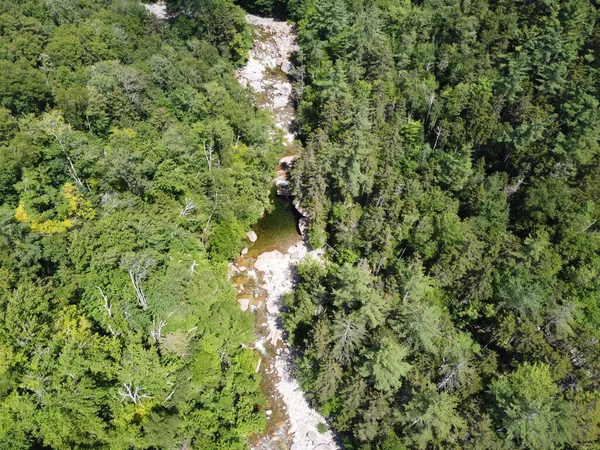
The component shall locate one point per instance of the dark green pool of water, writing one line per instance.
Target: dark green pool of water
(277, 230)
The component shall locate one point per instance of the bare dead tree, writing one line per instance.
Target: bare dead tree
(138, 272)
(589, 226)
(175, 310)
(208, 154)
(438, 133)
(431, 101)
(188, 208)
(169, 397)
(449, 376)
(156, 332)
(513, 188)
(106, 303)
(109, 202)
(216, 200)
(138, 289)
(133, 393)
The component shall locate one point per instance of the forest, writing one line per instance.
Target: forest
(131, 164)
(450, 165)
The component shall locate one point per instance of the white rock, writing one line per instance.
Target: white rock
(244, 302)
(252, 274)
(311, 435)
(244, 250)
(252, 237)
(268, 412)
(272, 308)
(158, 9)
(269, 261)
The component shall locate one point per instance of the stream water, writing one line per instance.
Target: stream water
(265, 271)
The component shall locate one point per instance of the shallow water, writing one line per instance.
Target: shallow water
(276, 230)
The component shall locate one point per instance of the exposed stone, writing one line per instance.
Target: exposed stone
(287, 162)
(286, 67)
(303, 211)
(272, 308)
(244, 250)
(303, 225)
(298, 249)
(159, 9)
(244, 302)
(252, 274)
(268, 261)
(271, 63)
(252, 237)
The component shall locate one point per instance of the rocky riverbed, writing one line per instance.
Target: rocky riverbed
(265, 274)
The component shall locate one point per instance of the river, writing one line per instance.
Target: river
(265, 271)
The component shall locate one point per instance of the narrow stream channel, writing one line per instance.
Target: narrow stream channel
(265, 271)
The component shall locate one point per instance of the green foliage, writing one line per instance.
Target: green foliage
(529, 410)
(23, 89)
(118, 326)
(219, 21)
(450, 152)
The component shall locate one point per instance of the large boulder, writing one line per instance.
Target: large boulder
(270, 261)
(287, 162)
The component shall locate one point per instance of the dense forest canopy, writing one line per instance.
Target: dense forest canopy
(131, 163)
(450, 167)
